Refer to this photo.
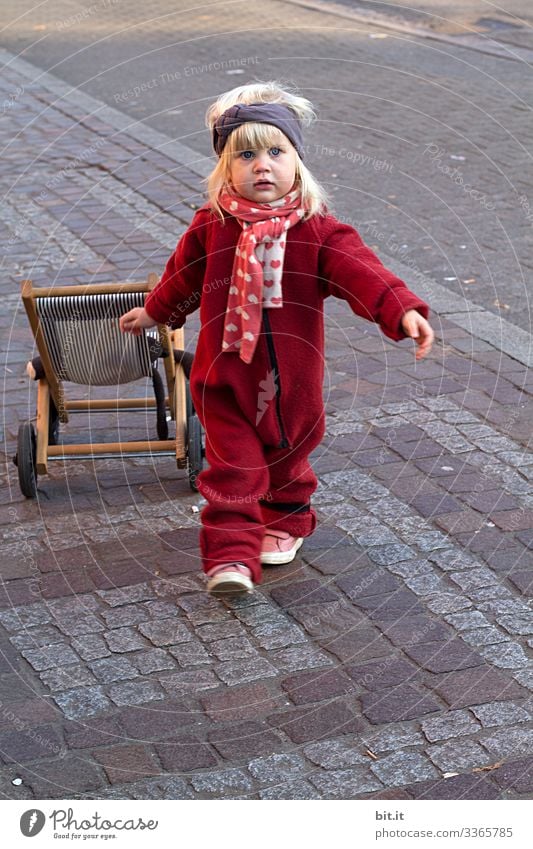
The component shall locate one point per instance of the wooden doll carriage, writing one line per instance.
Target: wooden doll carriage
(78, 340)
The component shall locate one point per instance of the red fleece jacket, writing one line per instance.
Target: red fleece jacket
(322, 257)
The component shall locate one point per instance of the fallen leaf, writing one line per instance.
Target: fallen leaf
(490, 766)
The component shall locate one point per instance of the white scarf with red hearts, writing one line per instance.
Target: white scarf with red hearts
(257, 266)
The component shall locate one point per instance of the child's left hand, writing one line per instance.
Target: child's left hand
(415, 325)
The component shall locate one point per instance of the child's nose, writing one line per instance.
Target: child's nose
(261, 160)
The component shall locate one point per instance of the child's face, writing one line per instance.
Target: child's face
(264, 175)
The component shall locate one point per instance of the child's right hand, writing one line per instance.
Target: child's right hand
(135, 321)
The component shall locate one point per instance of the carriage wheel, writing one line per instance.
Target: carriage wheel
(26, 460)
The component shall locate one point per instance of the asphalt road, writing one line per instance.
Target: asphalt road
(423, 145)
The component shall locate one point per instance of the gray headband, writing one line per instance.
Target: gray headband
(277, 114)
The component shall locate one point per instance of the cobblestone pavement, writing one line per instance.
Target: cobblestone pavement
(425, 146)
(391, 660)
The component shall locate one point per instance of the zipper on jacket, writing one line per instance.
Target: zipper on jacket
(274, 363)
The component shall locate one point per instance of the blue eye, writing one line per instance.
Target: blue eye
(245, 153)
(275, 150)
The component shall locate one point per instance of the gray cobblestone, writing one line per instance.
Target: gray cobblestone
(458, 417)
(33, 638)
(234, 648)
(220, 631)
(166, 632)
(421, 417)
(76, 626)
(111, 669)
(189, 682)
(299, 657)
(448, 603)
(388, 508)
(23, 617)
(121, 616)
(455, 723)
(239, 672)
(127, 595)
(210, 615)
(387, 554)
(505, 655)
(67, 677)
(47, 657)
(520, 623)
(392, 738)
(410, 568)
(278, 634)
(472, 619)
(453, 559)
(487, 593)
(90, 646)
(353, 481)
(124, 640)
(339, 511)
(484, 636)
(260, 615)
(71, 606)
(374, 534)
(161, 610)
(336, 754)
(153, 660)
(504, 605)
(162, 787)
(79, 703)
(429, 540)
(509, 742)
(399, 408)
(458, 756)
(426, 584)
(242, 602)
(290, 790)
(136, 692)
(190, 654)
(221, 781)
(404, 768)
(474, 578)
(524, 677)
(408, 526)
(500, 713)
(277, 768)
(345, 783)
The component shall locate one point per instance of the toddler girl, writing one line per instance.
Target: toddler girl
(258, 259)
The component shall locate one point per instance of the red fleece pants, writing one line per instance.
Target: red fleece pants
(246, 485)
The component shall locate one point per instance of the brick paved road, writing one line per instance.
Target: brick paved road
(397, 649)
(450, 126)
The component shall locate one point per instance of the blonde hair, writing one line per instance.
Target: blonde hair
(255, 136)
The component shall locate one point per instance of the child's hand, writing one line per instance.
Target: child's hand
(416, 326)
(135, 321)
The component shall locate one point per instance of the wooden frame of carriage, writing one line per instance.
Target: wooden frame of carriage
(97, 308)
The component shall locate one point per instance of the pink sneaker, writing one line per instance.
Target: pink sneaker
(279, 547)
(229, 579)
